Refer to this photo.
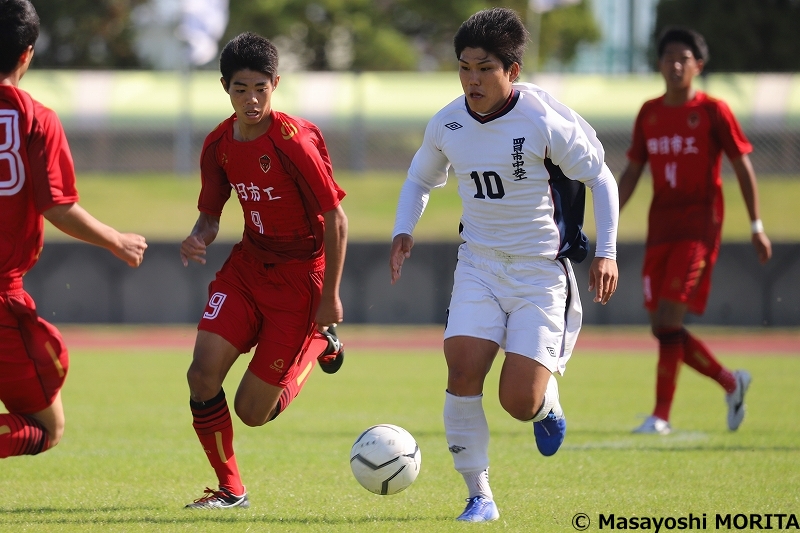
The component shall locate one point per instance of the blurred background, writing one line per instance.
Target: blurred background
(136, 81)
(136, 85)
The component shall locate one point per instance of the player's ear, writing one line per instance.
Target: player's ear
(700, 65)
(26, 56)
(224, 84)
(513, 71)
(275, 82)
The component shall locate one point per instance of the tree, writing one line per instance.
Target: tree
(86, 34)
(742, 35)
(389, 34)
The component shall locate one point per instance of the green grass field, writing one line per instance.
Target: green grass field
(164, 208)
(129, 459)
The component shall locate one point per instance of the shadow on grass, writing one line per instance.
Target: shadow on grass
(677, 441)
(72, 516)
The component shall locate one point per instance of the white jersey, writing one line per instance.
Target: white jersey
(520, 173)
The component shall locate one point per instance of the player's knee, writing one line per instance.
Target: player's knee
(202, 386)
(55, 438)
(250, 416)
(520, 408)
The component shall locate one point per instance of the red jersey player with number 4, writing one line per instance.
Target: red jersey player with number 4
(683, 134)
(37, 181)
(278, 292)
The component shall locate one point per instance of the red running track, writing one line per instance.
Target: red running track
(360, 337)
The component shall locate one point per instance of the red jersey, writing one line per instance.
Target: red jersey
(36, 173)
(284, 182)
(684, 145)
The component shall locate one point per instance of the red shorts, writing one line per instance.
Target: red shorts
(679, 271)
(33, 357)
(271, 307)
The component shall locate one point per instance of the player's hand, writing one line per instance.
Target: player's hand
(131, 248)
(401, 250)
(603, 276)
(330, 311)
(194, 248)
(763, 246)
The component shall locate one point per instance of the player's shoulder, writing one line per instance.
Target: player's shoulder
(706, 100)
(219, 131)
(292, 129)
(32, 110)
(457, 106)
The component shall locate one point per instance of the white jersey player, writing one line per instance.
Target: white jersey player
(522, 161)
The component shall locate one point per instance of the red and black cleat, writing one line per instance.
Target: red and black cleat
(332, 358)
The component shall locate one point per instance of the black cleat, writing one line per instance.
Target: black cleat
(332, 358)
(219, 499)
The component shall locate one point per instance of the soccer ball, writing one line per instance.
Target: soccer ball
(385, 459)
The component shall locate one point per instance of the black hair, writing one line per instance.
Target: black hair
(499, 31)
(19, 29)
(248, 51)
(687, 36)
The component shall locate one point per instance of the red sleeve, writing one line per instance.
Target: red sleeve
(307, 157)
(216, 189)
(638, 150)
(728, 131)
(50, 161)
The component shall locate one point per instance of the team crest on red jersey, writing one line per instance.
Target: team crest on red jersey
(693, 120)
(265, 163)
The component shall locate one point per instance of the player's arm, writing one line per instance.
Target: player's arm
(410, 206)
(204, 232)
(628, 181)
(747, 183)
(76, 222)
(603, 272)
(330, 307)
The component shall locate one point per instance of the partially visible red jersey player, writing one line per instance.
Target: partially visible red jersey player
(278, 291)
(37, 180)
(683, 134)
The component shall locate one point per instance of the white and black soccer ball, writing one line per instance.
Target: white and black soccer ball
(385, 459)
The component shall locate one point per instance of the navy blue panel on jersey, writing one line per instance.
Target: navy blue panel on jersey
(569, 201)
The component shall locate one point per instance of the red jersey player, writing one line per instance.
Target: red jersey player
(279, 289)
(683, 134)
(37, 180)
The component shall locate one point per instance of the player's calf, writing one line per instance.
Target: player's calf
(22, 435)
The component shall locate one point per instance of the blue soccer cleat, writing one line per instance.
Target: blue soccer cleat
(479, 509)
(549, 433)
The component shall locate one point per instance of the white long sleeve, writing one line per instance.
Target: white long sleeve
(410, 206)
(605, 199)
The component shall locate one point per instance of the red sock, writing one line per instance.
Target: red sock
(214, 428)
(305, 364)
(670, 355)
(21, 435)
(699, 357)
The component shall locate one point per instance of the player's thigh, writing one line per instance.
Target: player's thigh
(212, 358)
(474, 310)
(33, 358)
(287, 306)
(679, 272)
(52, 418)
(469, 360)
(523, 382)
(536, 307)
(256, 399)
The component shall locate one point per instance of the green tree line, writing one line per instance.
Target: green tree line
(743, 35)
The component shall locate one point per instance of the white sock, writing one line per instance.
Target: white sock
(478, 484)
(550, 401)
(468, 441)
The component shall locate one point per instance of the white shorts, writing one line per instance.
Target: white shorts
(527, 305)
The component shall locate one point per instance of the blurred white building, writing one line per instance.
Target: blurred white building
(627, 34)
